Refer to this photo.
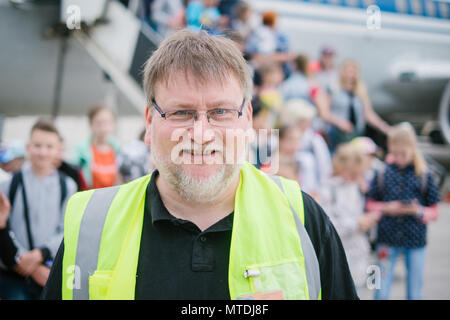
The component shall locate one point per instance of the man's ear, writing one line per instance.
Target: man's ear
(148, 122)
(249, 113)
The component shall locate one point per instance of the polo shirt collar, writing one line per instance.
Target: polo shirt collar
(158, 212)
(154, 202)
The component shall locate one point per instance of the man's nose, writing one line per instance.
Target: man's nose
(202, 132)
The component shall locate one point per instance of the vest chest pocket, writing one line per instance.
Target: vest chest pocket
(99, 284)
(287, 276)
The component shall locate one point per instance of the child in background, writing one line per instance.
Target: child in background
(203, 15)
(260, 148)
(289, 137)
(167, 15)
(243, 22)
(270, 96)
(97, 155)
(371, 163)
(313, 155)
(210, 17)
(344, 203)
(405, 192)
(194, 10)
(33, 202)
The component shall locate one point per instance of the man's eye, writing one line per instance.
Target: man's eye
(180, 113)
(219, 111)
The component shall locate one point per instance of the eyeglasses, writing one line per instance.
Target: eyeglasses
(221, 117)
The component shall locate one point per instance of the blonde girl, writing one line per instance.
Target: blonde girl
(405, 192)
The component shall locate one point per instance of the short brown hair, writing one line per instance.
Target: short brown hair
(269, 18)
(204, 56)
(94, 110)
(301, 63)
(45, 124)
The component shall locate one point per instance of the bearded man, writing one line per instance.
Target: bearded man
(205, 224)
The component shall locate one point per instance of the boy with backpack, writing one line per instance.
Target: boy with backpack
(34, 198)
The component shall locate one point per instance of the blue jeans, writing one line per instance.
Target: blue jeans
(415, 263)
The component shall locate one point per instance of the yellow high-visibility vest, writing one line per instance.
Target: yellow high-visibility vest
(270, 250)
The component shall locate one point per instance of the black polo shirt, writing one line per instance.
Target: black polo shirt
(179, 261)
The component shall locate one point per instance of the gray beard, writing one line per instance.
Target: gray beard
(195, 190)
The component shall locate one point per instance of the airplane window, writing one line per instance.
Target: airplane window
(401, 6)
(416, 6)
(443, 10)
(337, 2)
(430, 8)
(368, 3)
(353, 3)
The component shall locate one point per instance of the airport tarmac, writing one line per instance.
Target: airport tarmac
(437, 268)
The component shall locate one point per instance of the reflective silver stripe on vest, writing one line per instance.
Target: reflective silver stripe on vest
(89, 237)
(311, 263)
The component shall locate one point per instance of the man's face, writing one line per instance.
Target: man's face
(200, 157)
(43, 148)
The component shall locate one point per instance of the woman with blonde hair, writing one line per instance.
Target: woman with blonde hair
(349, 108)
(405, 192)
